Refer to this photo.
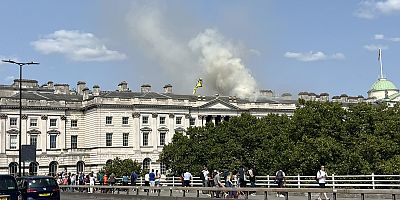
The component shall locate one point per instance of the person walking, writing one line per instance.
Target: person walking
(252, 178)
(134, 177)
(280, 180)
(187, 177)
(92, 180)
(321, 176)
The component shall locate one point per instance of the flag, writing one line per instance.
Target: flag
(198, 84)
(379, 54)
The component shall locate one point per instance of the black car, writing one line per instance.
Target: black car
(39, 187)
(8, 188)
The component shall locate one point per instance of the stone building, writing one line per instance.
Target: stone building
(79, 131)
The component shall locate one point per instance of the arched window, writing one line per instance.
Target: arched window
(146, 164)
(80, 167)
(13, 168)
(53, 168)
(33, 168)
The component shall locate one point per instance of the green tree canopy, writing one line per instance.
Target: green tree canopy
(122, 167)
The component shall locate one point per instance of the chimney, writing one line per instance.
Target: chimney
(168, 89)
(96, 90)
(286, 96)
(50, 85)
(61, 89)
(80, 86)
(145, 88)
(85, 93)
(266, 93)
(123, 86)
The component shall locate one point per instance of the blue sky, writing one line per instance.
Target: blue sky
(237, 47)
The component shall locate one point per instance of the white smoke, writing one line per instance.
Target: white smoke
(208, 55)
(224, 72)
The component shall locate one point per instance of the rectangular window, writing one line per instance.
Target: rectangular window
(163, 168)
(33, 123)
(13, 121)
(13, 141)
(162, 138)
(192, 121)
(53, 122)
(145, 119)
(53, 141)
(125, 120)
(125, 138)
(162, 120)
(74, 123)
(145, 138)
(33, 140)
(109, 139)
(108, 120)
(178, 120)
(74, 141)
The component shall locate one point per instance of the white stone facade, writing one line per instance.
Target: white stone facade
(106, 125)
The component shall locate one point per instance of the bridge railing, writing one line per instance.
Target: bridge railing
(184, 191)
(371, 181)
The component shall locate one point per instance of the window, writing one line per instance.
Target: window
(33, 140)
(163, 168)
(109, 139)
(33, 123)
(145, 138)
(74, 123)
(53, 122)
(53, 168)
(192, 121)
(162, 138)
(146, 164)
(125, 137)
(125, 120)
(33, 168)
(162, 120)
(80, 167)
(53, 141)
(108, 120)
(74, 141)
(145, 119)
(13, 168)
(13, 141)
(13, 121)
(178, 120)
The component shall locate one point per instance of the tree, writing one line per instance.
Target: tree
(122, 167)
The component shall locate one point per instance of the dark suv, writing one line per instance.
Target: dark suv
(39, 187)
(8, 188)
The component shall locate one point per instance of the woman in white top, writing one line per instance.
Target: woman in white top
(321, 176)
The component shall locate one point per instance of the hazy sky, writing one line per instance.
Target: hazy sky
(237, 47)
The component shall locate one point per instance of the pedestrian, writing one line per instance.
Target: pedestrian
(125, 180)
(204, 175)
(146, 181)
(92, 180)
(242, 177)
(134, 177)
(280, 180)
(252, 178)
(217, 182)
(321, 176)
(187, 177)
(105, 183)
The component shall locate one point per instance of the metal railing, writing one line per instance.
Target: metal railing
(371, 181)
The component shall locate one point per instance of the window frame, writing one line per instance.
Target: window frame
(163, 135)
(53, 122)
(31, 122)
(109, 139)
(33, 138)
(178, 119)
(109, 120)
(74, 141)
(74, 123)
(125, 120)
(145, 139)
(162, 120)
(13, 141)
(13, 121)
(125, 139)
(53, 144)
(145, 119)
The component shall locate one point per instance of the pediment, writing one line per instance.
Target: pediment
(219, 105)
(145, 129)
(55, 132)
(13, 131)
(163, 129)
(34, 131)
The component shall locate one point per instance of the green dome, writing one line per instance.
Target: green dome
(383, 84)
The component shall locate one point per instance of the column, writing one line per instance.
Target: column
(154, 132)
(44, 134)
(3, 119)
(24, 127)
(136, 131)
(171, 122)
(63, 132)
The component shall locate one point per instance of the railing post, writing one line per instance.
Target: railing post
(173, 181)
(298, 181)
(141, 181)
(268, 181)
(265, 195)
(184, 193)
(309, 195)
(198, 193)
(333, 181)
(373, 181)
(334, 196)
(170, 192)
(362, 196)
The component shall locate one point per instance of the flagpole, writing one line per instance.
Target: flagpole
(380, 61)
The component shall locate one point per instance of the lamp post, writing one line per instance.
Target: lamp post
(21, 64)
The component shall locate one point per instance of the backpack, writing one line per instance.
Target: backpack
(279, 175)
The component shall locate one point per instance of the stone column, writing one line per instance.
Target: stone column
(44, 134)
(154, 132)
(3, 119)
(24, 127)
(63, 133)
(171, 122)
(136, 131)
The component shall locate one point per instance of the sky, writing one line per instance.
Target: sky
(237, 47)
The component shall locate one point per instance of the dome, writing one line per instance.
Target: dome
(383, 84)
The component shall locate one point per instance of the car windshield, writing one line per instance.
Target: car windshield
(42, 182)
(7, 184)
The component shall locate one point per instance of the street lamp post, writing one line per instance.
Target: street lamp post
(21, 64)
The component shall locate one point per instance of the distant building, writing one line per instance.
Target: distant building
(79, 131)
